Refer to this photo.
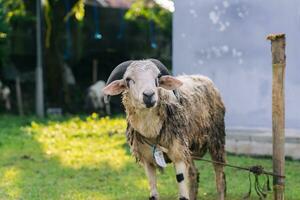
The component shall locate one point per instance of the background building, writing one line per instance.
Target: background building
(226, 40)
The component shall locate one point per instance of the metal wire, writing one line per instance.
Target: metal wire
(256, 169)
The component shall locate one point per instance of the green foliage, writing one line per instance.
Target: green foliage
(47, 14)
(8, 10)
(4, 31)
(149, 10)
(11, 8)
(87, 158)
(77, 10)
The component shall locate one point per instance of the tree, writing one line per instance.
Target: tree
(151, 11)
(9, 10)
(56, 13)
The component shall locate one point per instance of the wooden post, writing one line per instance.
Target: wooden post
(278, 111)
(19, 96)
(95, 70)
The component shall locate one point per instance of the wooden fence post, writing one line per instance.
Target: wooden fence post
(278, 112)
(19, 96)
(95, 70)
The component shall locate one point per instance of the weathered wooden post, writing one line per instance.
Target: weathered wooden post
(19, 96)
(95, 70)
(278, 115)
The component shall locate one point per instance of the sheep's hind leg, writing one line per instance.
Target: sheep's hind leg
(220, 181)
(193, 181)
(151, 174)
(219, 174)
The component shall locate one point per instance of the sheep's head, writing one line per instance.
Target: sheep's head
(141, 79)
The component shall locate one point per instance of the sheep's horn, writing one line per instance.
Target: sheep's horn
(162, 68)
(118, 72)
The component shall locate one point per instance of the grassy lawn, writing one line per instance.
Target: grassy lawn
(88, 159)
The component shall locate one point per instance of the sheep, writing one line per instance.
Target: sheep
(5, 96)
(171, 119)
(95, 100)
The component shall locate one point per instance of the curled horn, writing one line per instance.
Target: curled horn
(117, 74)
(119, 71)
(164, 71)
(162, 68)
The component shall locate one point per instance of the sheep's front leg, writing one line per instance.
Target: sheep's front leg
(182, 180)
(151, 174)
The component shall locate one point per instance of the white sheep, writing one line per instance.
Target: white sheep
(95, 100)
(171, 119)
(5, 96)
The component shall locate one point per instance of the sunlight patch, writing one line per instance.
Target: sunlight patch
(90, 142)
(89, 195)
(142, 183)
(8, 182)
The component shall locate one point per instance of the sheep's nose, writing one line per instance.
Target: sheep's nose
(148, 98)
(148, 94)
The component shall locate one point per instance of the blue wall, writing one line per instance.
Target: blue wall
(226, 40)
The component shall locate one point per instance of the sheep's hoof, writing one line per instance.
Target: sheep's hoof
(153, 198)
(183, 198)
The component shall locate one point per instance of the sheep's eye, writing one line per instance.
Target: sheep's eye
(128, 81)
(156, 82)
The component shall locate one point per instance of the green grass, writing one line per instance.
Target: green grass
(88, 158)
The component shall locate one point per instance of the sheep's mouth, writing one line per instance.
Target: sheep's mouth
(149, 103)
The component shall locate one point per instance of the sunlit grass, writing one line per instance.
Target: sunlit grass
(80, 143)
(9, 177)
(87, 158)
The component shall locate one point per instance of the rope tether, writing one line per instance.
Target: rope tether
(256, 170)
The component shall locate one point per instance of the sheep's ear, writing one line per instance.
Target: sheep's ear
(114, 88)
(169, 82)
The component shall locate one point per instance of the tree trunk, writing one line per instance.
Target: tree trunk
(57, 87)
